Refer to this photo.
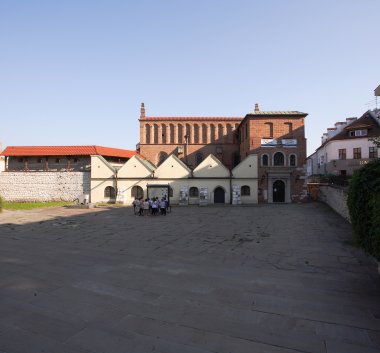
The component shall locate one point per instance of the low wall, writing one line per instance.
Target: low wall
(44, 186)
(336, 198)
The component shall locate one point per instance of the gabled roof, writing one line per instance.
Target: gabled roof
(136, 167)
(366, 121)
(67, 151)
(211, 167)
(172, 167)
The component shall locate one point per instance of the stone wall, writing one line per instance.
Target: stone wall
(44, 186)
(336, 198)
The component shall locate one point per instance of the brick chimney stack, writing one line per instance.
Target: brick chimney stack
(142, 111)
(257, 108)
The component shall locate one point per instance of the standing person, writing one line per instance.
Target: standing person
(134, 206)
(154, 207)
(146, 207)
(163, 207)
(141, 211)
(137, 206)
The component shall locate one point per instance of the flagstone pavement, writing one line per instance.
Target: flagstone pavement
(266, 278)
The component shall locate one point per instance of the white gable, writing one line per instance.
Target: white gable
(135, 168)
(247, 168)
(172, 168)
(211, 167)
(100, 168)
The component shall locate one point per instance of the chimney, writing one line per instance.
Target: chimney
(350, 120)
(142, 111)
(257, 108)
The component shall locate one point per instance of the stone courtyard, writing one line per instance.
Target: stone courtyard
(266, 278)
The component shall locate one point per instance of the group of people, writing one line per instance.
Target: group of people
(152, 207)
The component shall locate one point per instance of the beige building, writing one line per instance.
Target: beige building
(209, 183)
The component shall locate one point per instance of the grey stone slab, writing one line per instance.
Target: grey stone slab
(333, 346)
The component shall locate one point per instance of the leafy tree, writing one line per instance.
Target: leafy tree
(364, 207)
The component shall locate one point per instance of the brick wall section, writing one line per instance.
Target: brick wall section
(215, 136)
(254, 128)
(44, 186)
(336, 198)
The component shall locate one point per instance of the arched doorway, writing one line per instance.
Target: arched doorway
(219, 196)
(278, 191)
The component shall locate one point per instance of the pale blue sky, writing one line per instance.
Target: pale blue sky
(75, 72)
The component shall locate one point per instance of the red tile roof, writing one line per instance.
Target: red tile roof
(67, 151)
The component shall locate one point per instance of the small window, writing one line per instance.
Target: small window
(372, 152)
(358, 133)
(265, 160)
(39, 160)
(75, 160)
(109, 192)
(245, 190)
(193, 192)
(292, 160)
(21, 160)
(57, 160)
(357, 153)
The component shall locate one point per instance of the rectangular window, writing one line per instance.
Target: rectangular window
(358, 133)
(342, 153)
(372, 152)
(357, 153)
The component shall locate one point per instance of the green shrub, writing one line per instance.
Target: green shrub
(364, 207)
(1, 204)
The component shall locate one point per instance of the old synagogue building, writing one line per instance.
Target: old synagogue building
(276, 137)
(192, 160)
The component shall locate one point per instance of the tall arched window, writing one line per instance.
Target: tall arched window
(161, 157)
(171, 133)
(229, 133)
(220, 132)
(265, 160)
(155, 133)
(188, 133)
(147, 133)
(196, 133)
(163, 132)
(212, 132)
(245, 190)
(109, 192)
(278, 159)
(204, 133)
(193, 192)
(292, 160)
(180, 133)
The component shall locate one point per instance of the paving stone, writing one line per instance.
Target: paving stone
(214, 279)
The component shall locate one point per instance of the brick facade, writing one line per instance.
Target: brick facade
(278, 137)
